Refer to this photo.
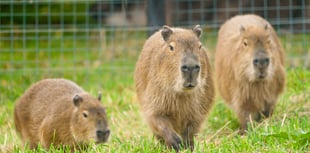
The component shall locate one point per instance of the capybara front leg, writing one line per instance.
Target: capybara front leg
(244, 118)
(45, 134)
(33, 145)
(163, 129)
(188, 136)
(269, 108)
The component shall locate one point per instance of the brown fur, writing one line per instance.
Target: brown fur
(236, 81)
(173, 113)
(46, 114)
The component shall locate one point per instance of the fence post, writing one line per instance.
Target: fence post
(155, 15)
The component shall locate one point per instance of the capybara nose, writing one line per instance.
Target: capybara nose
(190, 68)
(261, 63)
(103, 134)
(190, 73)
(189, 85)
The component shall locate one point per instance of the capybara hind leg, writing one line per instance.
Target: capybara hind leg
(163, 129)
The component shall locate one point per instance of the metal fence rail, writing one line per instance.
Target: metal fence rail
(45, 35)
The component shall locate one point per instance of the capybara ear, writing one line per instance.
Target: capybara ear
(77, 100)
(166, 32)
(197, 30)
(242, 29)
(99, 96)
(266, 27)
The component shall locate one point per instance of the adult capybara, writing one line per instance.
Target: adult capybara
(174, 85)
(249, 67)
(59, 112)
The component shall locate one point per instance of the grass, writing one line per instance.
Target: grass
(288, 130)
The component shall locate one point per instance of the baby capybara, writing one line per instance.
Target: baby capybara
(249, 67)
(174, 85)
(59, 112)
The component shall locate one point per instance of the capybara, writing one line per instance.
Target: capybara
(174, 85)
(249, 65)
(59, 112)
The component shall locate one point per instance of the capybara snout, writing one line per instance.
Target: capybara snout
(190, 69)
(102, 135)
(261, 63)
(261, 60)
(102, 132)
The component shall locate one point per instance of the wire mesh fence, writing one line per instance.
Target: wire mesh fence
(69, 35)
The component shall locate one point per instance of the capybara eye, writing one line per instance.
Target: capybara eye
(199, 46)
(85, 114)
(268, 41)
(171, 48)
(184, 68)
(197, 67)
(245, 43)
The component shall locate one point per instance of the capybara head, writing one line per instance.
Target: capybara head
(89, 120)
(255, 53)
(180, 57)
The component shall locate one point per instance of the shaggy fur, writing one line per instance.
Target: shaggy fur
(174, 114)
(240, 39)
(59, 112)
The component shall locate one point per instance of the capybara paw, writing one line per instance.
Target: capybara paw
(266, 113)
(258, 117)
(189, 144)
(175, 143)
(242, 131)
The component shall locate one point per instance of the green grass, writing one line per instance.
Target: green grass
(287, 130)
